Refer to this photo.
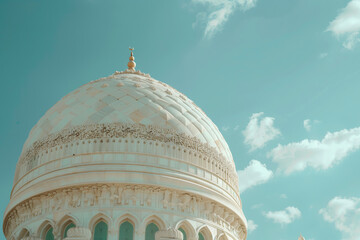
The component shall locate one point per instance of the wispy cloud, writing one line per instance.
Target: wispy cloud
(314, 153)
(254, 174)
(252, 226)
(309, 123)
(225, 128)
(259, 131)
(218, 12)
(286, 216)
(347, 24)
(228, 128)
(345, 214)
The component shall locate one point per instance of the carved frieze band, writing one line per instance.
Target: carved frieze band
(122, 130)
(124, 195)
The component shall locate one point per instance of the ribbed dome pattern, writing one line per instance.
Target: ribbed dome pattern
(129, 98)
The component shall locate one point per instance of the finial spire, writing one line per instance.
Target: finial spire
(131, 64)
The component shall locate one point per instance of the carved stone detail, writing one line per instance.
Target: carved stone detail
(215, 161)
(78, 233)
(169, 234)
(117, 195)
(127, 71)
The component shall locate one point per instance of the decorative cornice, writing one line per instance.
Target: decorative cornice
(122, 130)
(170, 233)
(79, 232)
(118, 195)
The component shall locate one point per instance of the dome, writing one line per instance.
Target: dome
(129, 99)
(131, 132)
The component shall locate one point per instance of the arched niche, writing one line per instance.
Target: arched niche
(152, 225)
(48, 233)
(204, 233)
(126, 230)
(156, 220)
(66, 227)
(150, 231)
(187, 229)
(46, 229)
(100, 231)
(99, 226)
(65, 224)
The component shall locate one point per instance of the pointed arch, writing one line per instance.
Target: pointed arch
(127, 217)
(101, 230)
(156, 220)
(187, 229)
(65, 224)
(126, 225)
(126, 230)
(23, 233)
(44, 227)
(204, 233)
(99, 217)
(99, 226)
(153, 224)
(150, 231)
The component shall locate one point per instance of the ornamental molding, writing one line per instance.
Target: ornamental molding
(79, 232)
(125, 130)
(170, 233)
(118, 196)
(130, 71)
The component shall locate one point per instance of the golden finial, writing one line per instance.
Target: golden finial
(131, 63)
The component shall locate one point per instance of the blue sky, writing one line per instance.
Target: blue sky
(285, 71)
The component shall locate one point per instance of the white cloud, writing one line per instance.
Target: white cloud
(307, 125)
(284, 216)
(252, 226)
(316, 154)
(259, 131)
(218, 12)
(254, 174)
(345, 214)
(347, 24)
(227, 128)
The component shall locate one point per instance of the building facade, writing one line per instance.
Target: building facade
(125, 157)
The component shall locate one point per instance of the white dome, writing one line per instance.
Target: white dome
(132, 130)
(129, 99)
